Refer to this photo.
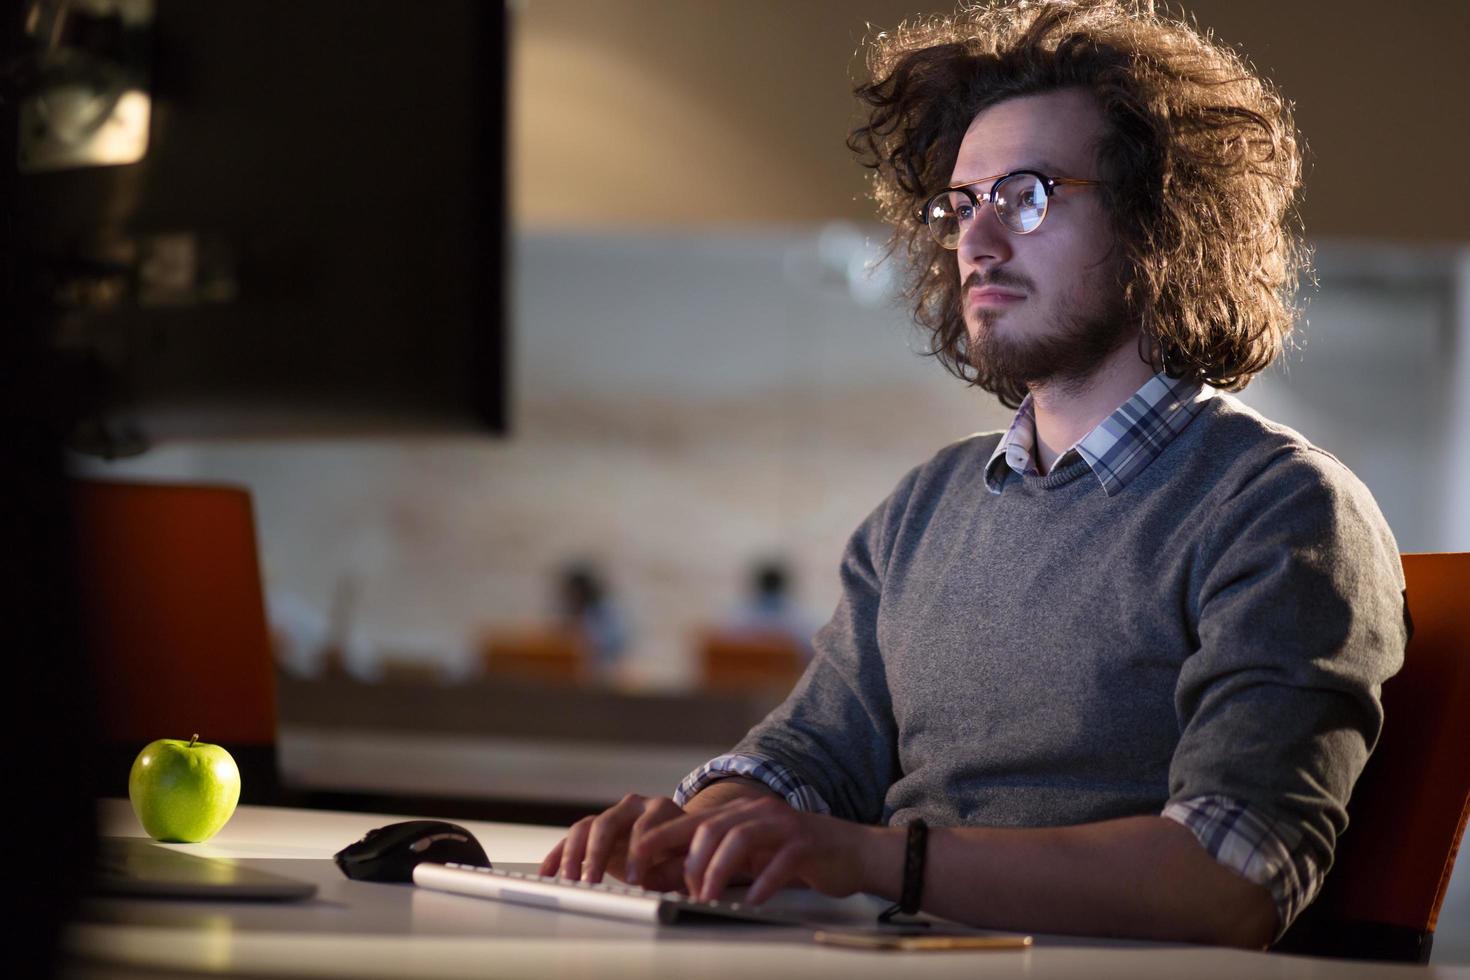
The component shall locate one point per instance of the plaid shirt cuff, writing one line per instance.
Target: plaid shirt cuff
(781, 780)
(1267, 852)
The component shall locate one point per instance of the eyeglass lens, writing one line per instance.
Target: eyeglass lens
(1020, 204)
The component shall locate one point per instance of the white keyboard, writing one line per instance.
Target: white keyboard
(607, 898)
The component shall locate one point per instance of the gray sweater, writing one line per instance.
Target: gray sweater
(1051, 655)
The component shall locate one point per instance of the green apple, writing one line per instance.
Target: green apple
(183, 792)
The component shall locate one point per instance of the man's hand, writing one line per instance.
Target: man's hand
(598, 845)
(762, 839)
(734, 831)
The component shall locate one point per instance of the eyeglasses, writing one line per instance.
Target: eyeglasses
(1019, 199)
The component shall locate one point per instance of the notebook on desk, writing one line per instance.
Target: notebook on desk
(136, 867)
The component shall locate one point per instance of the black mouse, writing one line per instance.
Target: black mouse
(390, 853)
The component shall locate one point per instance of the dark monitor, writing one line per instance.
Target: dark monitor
(312, 241)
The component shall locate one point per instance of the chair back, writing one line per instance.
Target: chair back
(550, 655)
(176, 624)
(750, 660)
(1408, 811)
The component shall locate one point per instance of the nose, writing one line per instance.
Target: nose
(985, 241)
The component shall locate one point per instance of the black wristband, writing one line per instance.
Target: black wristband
(916, 848)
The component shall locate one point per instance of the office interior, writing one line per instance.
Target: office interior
(538, 331)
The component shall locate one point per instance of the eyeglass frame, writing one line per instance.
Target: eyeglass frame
(1049, 185)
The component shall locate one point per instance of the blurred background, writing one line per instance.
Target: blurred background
(551, 342)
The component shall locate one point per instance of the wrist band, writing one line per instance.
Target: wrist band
(916, 848)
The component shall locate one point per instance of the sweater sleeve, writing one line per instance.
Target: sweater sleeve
(835, 733)
(1300, 615)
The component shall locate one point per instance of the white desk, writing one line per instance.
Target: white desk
(359, 929)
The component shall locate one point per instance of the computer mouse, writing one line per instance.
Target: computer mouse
(390, 853)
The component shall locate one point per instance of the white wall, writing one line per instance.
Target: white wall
(682, 406)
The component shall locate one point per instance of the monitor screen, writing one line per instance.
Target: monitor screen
(311, 239)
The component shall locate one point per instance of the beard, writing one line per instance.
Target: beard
(1065, 355)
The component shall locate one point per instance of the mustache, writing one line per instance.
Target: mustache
(997, 277)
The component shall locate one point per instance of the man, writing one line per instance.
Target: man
(1125, 656)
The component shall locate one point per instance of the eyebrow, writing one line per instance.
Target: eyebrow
(1043, 166)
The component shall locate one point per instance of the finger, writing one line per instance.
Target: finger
(780, 871)
(604, 846)
(708, 836)
(659, 811)
(607, 831)
(552, 861)
(677, 835)
(609, 834)
(665, 877)
(576, 847)
(738, 849)
(673, 837)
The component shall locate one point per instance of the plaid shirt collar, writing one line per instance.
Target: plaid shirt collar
(1122, 445)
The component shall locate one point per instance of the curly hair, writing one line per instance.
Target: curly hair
(1201, 164)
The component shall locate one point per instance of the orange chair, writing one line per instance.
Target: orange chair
(552, 655)
(1408, 811)
(176, 624)
(749, 660)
